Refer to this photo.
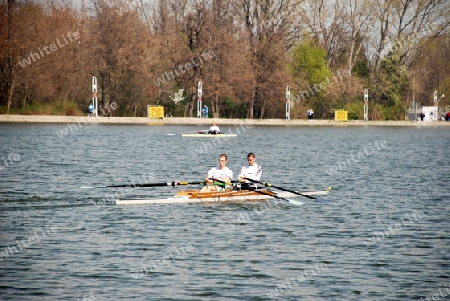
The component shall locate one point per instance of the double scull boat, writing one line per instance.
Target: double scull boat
(231, 196)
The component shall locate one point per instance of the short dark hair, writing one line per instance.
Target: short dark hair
(251, 155)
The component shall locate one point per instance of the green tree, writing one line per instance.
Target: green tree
(390, 86)
(394, 80)
(309, 68)
(310, 63)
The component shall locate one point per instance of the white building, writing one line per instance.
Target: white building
(431, 113)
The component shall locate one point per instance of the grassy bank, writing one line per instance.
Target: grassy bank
(61, 108)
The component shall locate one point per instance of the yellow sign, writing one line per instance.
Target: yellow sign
(155, 112)
(341, 115)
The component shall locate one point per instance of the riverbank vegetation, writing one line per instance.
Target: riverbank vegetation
(245, 52)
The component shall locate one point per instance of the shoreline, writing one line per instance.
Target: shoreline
(207, 121)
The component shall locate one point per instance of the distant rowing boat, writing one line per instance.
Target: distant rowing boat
(208, 135)
(233, 196)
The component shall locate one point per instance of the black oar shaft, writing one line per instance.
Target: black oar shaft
(295, 192)
(269, 194)
(173, 183)
(284, 189)
(140, 185)
(272, 194)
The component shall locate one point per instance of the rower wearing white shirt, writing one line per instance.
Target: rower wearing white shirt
(214, 129)
(251, 170)
(221, 173)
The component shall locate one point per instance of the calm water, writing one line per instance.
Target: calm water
(384, 236)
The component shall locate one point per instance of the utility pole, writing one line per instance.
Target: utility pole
(199, 102)
(95, 95)
(288, 103)
(366, 105)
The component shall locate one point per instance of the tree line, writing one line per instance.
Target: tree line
(245, 52)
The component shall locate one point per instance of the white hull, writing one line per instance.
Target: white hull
(219, 198)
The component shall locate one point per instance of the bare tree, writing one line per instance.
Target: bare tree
(326, 22)
(10, 62)
(357, 14)
(225, 67)
(11, 32)
(267, 25)
(40, 55)
(404, 25)
(119, 46)
(431, 71)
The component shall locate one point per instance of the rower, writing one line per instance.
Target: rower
(251, 171)
(214, 129)
(221, 173)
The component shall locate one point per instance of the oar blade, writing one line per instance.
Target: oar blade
(320, 200)
(294, 202)
(274, 195)
(323, 201)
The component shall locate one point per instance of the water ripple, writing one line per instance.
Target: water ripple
(385, 236)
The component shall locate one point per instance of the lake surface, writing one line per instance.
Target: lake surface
(384, 236)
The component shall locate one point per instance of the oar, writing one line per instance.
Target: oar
(173, 184)
(265, 193)
(293, 202)
(320, 200)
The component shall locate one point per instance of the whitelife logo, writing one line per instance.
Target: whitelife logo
(11, 158)
(196, 61)
(46, 50)
(24, 244)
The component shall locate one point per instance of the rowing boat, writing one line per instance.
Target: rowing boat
(205, 133)
(232, 196)
(208, 135)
